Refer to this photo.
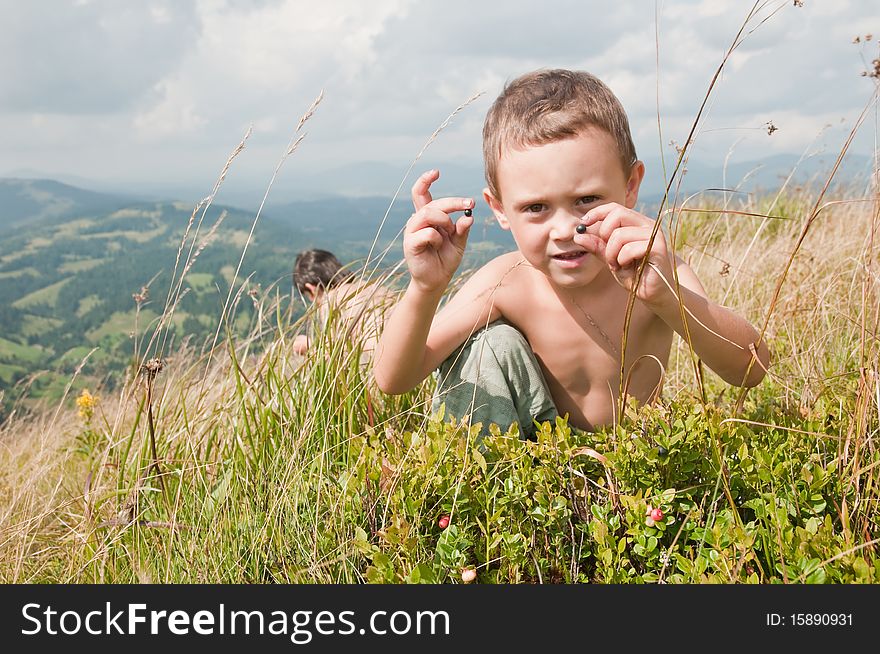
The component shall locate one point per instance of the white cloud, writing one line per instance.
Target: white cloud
(173, 82)
(835, 8)
(281, 44)
(175, 114)
(90, 58)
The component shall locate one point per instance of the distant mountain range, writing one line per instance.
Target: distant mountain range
(28, 200)
(766, 175)
(382, 180)
(338, 223)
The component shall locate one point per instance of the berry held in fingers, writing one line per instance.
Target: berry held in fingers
(581, 229)
(468, 212)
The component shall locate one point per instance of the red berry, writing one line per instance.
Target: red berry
(656, 515)
(443, 522)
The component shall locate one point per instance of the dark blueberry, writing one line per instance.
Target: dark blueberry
(581, 229)
(662, 451)
(468, 212)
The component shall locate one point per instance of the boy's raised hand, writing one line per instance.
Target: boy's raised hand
(433, 244)
(625, 234)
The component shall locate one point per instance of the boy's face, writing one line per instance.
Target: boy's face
(545, 191)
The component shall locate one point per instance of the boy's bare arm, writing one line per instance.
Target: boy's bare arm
(433, 246)
(419, 347)
(399, 357)
(722, 339)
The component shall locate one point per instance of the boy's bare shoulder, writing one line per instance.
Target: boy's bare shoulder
(499, 271)
(485, 294)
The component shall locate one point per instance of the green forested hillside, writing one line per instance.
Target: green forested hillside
(28, 200)
(69, 267)
(67, 285)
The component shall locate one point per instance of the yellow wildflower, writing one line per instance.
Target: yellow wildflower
(86, 403)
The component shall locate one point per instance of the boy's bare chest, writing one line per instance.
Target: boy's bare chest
(587, 339)
(579, 347)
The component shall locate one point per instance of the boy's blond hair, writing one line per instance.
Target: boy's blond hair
(549, 105)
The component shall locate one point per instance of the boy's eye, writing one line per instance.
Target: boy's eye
(534, 208)
(589, 199)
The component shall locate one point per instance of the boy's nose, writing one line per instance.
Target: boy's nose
(564, 225)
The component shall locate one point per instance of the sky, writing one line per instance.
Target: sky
(160, 92)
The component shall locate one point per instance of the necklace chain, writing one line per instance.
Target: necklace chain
(599, 329)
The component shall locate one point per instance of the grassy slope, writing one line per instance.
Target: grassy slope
(279, 469)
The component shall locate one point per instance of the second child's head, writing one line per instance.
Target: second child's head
(545, 106)
(315, 271)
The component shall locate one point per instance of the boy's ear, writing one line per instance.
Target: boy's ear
(636, 175)
(311, 291)
(495, 205)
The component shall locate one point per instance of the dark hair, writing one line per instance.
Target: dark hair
(551, 105)
(318, 267)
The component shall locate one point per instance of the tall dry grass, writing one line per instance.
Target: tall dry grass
(824, 327)
(251, 479)
(233, 460)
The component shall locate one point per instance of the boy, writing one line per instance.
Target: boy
(537, 332)
(359, 306)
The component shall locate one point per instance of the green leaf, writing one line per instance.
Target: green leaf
(480, 460)
(817, 503)
(684, 564)
(816, 577)
(863, 572)
(422, 574)
(361, 541)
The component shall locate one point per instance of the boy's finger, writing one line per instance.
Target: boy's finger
(462, 229)
(607, 225)
(599, 213)
(619, 219)
(420, 193)
(631, 253)
(449, 205)
(425, 239)
(591, 243)
(430, 217)
(619, 239)
(613, 213)
(587, 229)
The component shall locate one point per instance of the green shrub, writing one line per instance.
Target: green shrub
(739, 503)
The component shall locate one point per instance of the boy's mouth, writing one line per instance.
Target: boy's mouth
(569, 256)
(571, 259)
